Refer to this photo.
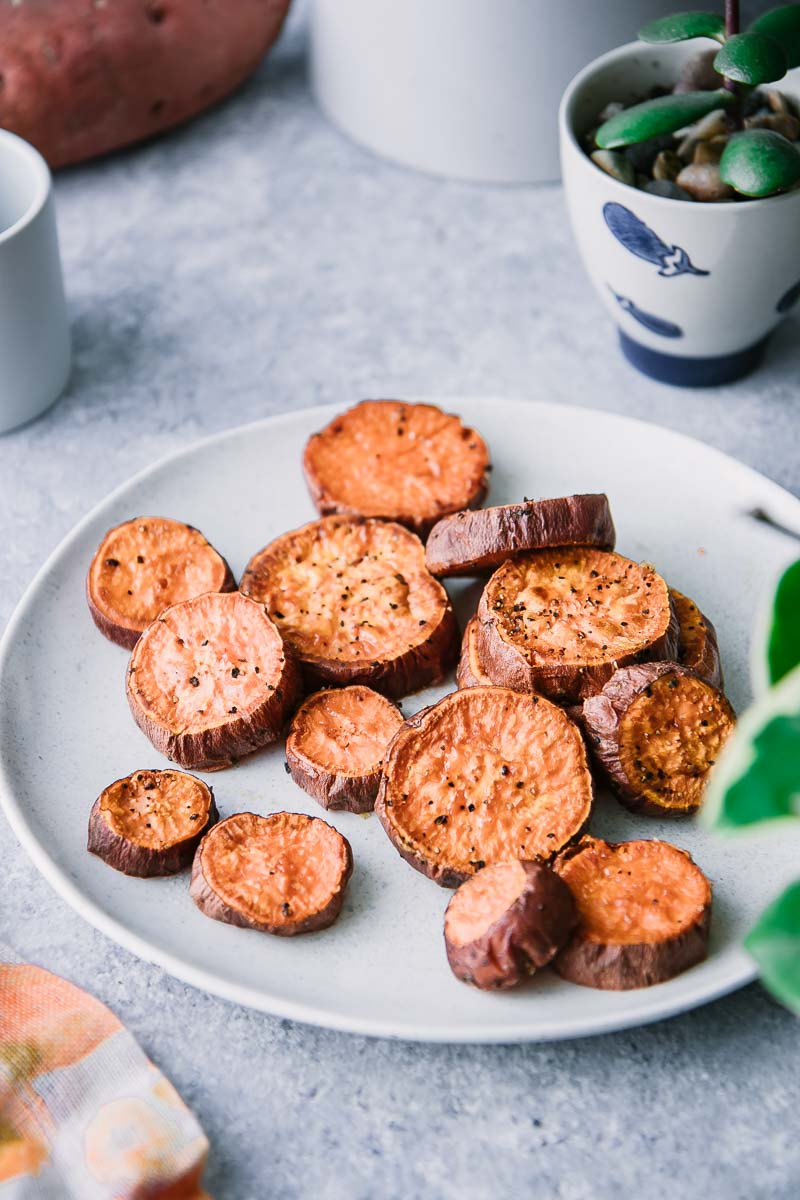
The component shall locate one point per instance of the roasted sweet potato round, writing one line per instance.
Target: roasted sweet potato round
(410, 463)
(470, 672)
(211, 680)
(337, 743)
(657, 729)
(505, 922)
(354, 600)
(644, 912)
(560, 621)
(285, 873)
(484, 776)
(151, 822)
(698, 648)
(142, 567)
(471, 543)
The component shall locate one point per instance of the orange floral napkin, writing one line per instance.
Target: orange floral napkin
(83, 1113)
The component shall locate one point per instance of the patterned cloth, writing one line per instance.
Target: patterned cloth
(84, 1115)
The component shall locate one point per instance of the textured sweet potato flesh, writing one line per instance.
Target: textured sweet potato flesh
(483, 900)
(156, 809)
(347, 590)
(698, 640)
(145, 565)
(345, 731)
(670, 737)
(411, 463)
(577, 607)
(283, 869)
(203, 664)
(632, 893)
(485, 776)
(470, 668)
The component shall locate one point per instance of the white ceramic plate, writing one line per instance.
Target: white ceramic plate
(65, 731)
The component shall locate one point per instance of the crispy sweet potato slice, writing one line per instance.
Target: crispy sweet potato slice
(470, 672)
(471, 543)
(484, 776)
(410, 463)
(337, 743)
(644, 912)
(698, 650)
(142, 567)
(285, 873)
(355, 601)
(211, 680)
(151, 822)
(505, 922)
(657, 729)
(561, 621)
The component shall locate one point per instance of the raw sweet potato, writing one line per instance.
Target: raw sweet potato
(81, 77)
(698, 649)
(505, 922)
(471, 543)
(484, 776)
(142, 567)
(211, 680)
(410, 463)
(561, 621)
(285, 873)
(151, 822)
(657, 729)
(337, 743)
(644, 912)
(470, 671)
(355, 601)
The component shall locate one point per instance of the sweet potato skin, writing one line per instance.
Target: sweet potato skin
(469, 672)
(699, 648)
(211, 905)
(601, 718)
(475, 543)
(527, 936)
(140, 861)
(82, 79)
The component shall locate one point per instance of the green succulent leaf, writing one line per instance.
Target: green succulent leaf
(760, 162)
(751, 58)
(774, 943)
(680, 27)
(757, 778)
(656, 117)
(783, 639)
(782, 24)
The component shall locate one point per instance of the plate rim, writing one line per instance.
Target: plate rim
(740, 972)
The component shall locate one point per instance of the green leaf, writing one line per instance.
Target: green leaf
(783, 639)
(751, 58)
(760, 162)
(774, 943)
(757, 778)
(682, 26)
(782, 24)
(656, 117)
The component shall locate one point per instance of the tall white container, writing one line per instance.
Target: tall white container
(464, 88)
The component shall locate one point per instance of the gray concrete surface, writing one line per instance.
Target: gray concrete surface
(254, 262)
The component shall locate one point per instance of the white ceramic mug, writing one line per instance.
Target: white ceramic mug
(34, 326)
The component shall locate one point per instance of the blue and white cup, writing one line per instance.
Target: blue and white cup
(34, 325)
(695, 289)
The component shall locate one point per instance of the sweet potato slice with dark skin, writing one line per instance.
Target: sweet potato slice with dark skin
(337, 743)
(354, 600)
(145, 565)
(699, 650)
(470, 672)
(484, 776)
(644, 912)
(561, 621)
(211, 680)
(285, 873)
(475, 543)
(507, 921)
(656, 730)
(151, 822)
(410, 463)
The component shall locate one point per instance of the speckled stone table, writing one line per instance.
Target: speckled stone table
(256, 262)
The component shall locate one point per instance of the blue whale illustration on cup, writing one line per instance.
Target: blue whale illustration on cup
(640, 239)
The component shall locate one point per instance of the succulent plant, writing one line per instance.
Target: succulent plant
(755, 162)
